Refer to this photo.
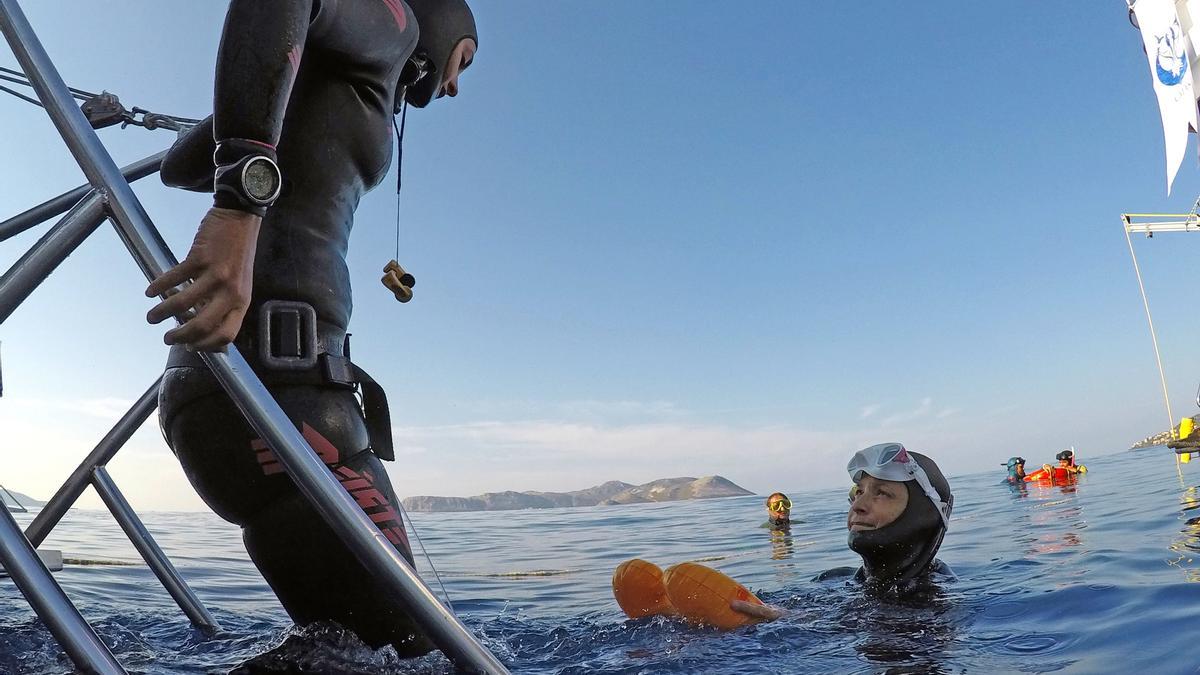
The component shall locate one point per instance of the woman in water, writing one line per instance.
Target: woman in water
(899, 509)
(1016, 470)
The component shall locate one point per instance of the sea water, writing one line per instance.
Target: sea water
(1098, 577)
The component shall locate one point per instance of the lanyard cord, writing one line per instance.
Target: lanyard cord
(399, 168)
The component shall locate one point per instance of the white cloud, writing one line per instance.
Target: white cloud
(917, 413)
(104, 408)
(44, 440)
(591, 409)
(559, 455)
(868, 411)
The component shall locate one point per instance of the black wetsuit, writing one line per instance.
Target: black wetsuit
(935, 571)
(313, 81)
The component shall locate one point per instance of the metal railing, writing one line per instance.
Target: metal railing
(108, 196)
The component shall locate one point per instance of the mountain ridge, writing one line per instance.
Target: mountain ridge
(610, 493)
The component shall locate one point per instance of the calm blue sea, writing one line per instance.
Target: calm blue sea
(1096, 578)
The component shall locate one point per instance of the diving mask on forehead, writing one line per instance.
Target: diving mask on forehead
(890, 461)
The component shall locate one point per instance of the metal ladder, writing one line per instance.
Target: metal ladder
(109, 197)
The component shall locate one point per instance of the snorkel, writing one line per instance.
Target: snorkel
(903, 550)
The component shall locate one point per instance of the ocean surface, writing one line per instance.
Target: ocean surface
(1099, 577)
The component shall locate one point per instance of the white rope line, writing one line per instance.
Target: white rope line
(1150, 320)
(413, 526)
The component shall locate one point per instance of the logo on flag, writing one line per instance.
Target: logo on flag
(1167, 50)
(1171, 61)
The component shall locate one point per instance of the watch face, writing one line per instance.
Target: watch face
(261, 179)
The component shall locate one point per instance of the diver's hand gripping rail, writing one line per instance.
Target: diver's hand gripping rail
(153, 256)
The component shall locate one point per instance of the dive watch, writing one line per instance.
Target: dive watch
(250, 184)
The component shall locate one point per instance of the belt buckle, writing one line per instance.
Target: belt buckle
(337, 370)
(287, 335)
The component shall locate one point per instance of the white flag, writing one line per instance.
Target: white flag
(1167, 50)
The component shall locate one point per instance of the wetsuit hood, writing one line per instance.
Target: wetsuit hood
(904, 550)
(442, 24)
(1014, 464)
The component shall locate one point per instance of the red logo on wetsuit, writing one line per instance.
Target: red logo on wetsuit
(361, 486)
(397, 13)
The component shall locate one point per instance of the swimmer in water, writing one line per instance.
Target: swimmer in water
(1066, 464)
(1066, 461)
(899, 510)
(779, 512)
(1016, 470)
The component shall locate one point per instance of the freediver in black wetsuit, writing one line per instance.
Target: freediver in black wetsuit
(899, 511)
(302, 128)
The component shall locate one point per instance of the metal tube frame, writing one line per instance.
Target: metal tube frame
(20, 508)
(48, 253)
(302, 464)
(91, 471)
(59, 205)
(79, 479)
(50, 603)
(151, 553)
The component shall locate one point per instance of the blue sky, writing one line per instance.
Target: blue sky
(653, 241)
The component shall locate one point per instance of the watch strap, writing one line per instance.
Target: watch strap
(231, 157)
(231, 150)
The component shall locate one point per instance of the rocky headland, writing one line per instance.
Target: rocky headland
(1162, 437)
(605, 494)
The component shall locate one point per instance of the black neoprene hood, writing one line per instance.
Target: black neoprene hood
(442, 24)
(904, 549)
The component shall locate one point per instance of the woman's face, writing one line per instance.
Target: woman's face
(875, 503)
(460, 58)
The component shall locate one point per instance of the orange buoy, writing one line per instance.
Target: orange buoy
(1040, 474)
(702, 595)
(639, 590)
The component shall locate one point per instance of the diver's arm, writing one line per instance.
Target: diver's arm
(189, 164)
(257, 63)
(762, 612)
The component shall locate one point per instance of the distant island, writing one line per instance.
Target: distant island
(606, 494)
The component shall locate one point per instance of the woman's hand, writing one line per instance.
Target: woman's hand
(220, 265)
(762, 612)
